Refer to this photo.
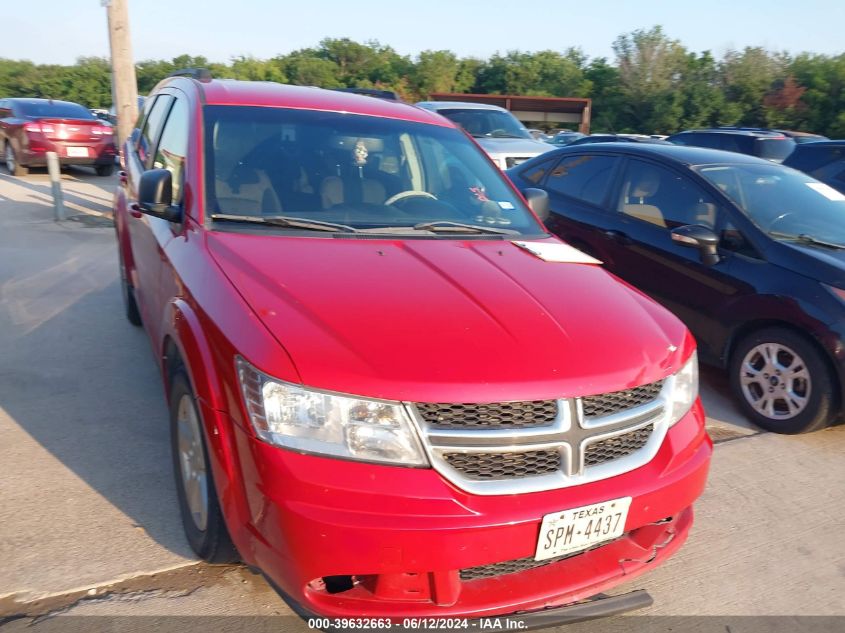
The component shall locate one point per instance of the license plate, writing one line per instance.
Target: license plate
(581, 528)
(77, 152)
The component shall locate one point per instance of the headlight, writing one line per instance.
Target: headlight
(683, 389)
(294, 417)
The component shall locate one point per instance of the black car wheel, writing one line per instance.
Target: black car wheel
(782, 382)
(199, 506)
(11, 161)
(104, 170)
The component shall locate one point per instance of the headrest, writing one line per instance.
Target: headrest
(645, 185)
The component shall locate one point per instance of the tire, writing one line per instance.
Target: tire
(104, 170)
(782, 382)
(10, 160)
(130, 306)
(202, 519)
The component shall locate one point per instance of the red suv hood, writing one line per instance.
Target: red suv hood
(448, 320)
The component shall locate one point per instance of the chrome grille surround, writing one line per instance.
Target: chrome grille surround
(640, 430)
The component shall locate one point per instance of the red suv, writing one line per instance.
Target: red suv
(29, 128)
(391, 390)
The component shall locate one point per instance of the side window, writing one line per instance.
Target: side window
(536, 174)
(685, 139)
(173, 147)
(707, 140)
(152, 125)
(585, 177)
(660, 196)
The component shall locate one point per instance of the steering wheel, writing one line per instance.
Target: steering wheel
(403, 195)
(779, 218)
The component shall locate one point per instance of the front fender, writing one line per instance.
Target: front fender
(183, 328)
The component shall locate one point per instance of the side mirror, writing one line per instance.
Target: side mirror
(155, 195)
(700, 237)
(538, 201)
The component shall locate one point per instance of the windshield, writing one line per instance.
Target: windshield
(487, 123)
(53, 109)
(364, 172)
(775, 149)
(783, 202)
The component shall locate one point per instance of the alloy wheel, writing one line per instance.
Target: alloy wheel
(775, 381)
(192, 462)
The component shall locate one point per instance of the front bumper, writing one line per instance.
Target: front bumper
(398, 538)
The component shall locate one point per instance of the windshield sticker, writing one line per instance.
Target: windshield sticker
(479, 194)
(507, 206)
(558, 253)
(826, 190)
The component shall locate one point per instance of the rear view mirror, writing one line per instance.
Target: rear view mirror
(155, 195)
(700, 237)
(538, 201)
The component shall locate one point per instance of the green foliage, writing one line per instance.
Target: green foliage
(654, 84)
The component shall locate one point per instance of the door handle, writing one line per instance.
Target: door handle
(135, 210)
(618, 236)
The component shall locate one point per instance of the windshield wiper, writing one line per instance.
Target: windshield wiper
(445, 226)
(805, 239)
(285, 221)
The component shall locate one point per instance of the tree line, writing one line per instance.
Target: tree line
(653, 84)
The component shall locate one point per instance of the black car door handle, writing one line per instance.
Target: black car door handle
(618, 236)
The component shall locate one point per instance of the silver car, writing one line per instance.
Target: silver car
(497, 131)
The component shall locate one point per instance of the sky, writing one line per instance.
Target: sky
(59, 31)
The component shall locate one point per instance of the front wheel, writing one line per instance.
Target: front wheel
(199, 505)
(782, 382)
(130, 306)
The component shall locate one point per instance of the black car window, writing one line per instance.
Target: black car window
(652, 193)
(703, 139)
(536, 173)
(173, 147)
(584, 177)
(152, 125)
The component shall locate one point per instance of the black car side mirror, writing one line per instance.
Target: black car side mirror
(155, 195)
(538, 201)
(700, 237)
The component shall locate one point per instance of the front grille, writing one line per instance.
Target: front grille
(500, 415)
(518, 565)
(616, 447)
(511, 465)
(609, 403)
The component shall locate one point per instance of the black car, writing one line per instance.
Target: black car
(823, 160)
(769, 144)
(618, 138)
(750, 254)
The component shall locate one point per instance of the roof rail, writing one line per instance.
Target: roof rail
(200, 74)
(388, 95)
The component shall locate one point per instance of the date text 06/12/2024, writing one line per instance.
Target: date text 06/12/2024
(415, 624)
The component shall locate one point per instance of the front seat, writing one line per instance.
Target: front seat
(642, 186)
(241, 188)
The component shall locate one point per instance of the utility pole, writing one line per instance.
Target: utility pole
(124, 84)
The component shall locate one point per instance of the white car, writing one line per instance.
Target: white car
(497, 131)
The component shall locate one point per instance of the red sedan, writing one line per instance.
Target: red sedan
(29, 128)
(390, 389)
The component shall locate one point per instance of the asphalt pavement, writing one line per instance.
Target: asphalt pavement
(89, 523)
